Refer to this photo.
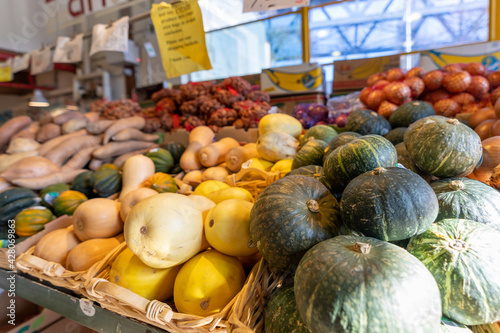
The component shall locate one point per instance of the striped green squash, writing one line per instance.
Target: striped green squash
(362, 284)
(340, 140)
(314, 171)
(463, 256)
(162, 159)
(319, 132)
(405, 160)
(367, 122)
(310, 154)
(281, 314)
(106, 182)
(466, 198)
(390, 204)
(408, 113)
(443, 147)
(356, 157)
(396, 135)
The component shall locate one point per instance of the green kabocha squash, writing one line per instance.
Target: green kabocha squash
(463, 256)
(408, 113)
(106, 182)
(469, 199)
(67, 202)
(50, 193)
(14, 200)
(390, 204)
(290, 216)
(367, 122)
(161, 183)
(361, 284)
(162, 159)
(83, 183)
(281, 314)
(449, 326)
(443, 147)
(356, 157)
(396, 135)
(176, 149)
(314, 171)
(32, 220)
(319, 132)
(311, 153)
(405, 160)
(340, 140)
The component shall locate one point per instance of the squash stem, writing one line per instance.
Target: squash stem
(456, 185)
(313, 206)
(362, 247)
(458, 245)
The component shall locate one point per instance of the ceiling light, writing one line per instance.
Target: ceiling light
(414, 17)
(38, 100)
(336, 53)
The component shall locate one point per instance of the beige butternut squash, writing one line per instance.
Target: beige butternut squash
(136, 170)
(215, 173)
(215, 153)
(132, 198)
(235, 157)
(199, 137)
(55, 246)
(86, 254)
(97, 218)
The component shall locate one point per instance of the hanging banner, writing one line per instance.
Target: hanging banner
(112, 37)
(68, 50)
(261, 5)
(41, 61)
(6, 70)
(21, 63)
(179, 29)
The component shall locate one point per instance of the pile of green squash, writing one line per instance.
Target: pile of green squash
(382, 234)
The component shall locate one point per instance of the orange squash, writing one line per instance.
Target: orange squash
(55, 246)
(87, 253)
(97, 218)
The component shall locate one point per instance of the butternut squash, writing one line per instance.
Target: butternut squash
(136, 170)
(55, 246)
(49, 145)
(131, 122)
(199, 137)
(86, 254)
(11, 127)
(193, 178)
(30, 167)
(113, 149)
(275, 146)
(214, 153)
(215, 173)
(236, 156)
(132, 198)
(97, 218)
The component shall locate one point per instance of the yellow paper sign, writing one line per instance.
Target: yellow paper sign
(179, 29)
(5, 73)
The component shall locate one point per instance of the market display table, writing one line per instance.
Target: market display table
(90, 315)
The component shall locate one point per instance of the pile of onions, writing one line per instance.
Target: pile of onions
(486, 122)
(491, 159)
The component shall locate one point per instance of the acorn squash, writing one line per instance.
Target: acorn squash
(32, 220)
(67, 202)
(106, 182)
(162, 159)
(161, 183)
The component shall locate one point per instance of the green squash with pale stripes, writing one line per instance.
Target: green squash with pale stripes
(408, 113)
(396, 135)
(311, 153)
(463, 256)
(340, 140)
(443, 147)
(281, 314)
(367, 122)
(466, 198)
(319, 132)
(357, 284)
(356, 157)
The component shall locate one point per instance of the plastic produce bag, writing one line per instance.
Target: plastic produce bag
(68, 50)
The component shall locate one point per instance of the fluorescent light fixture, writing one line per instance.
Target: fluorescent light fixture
(322, 33)
(336, 53)
(38, 100)
(414, 17)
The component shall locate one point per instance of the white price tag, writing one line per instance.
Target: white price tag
(261, 5)
(87, 307)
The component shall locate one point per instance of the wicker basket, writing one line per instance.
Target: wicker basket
(126, 303)
(57, 275)
(255, 187)
(489, 328)
(247, 314)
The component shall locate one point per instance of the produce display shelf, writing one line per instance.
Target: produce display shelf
(69, 306)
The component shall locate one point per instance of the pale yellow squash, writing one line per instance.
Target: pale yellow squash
(275, 146)
(209, 186)
(280, 122)
(230, 193)
(132, 198)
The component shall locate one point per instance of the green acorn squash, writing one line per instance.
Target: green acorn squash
(67, 202)
(361, 284)
(390, 204)
(106, 182)
(161, 183)
(32, 220)
(290, 216)
(462, 255)
(356, 157)
(162, 159)
(408, 113)
(176, 149)
(83, 183)
(282, 315)
(367, 122)
(50, 193)
(443, 147)
(311, 153)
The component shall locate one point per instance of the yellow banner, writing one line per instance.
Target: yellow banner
(179, 29)
(5, 74)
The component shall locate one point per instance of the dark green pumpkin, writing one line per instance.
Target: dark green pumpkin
(390, 204)
(50, 193)
(405, 160)
(311, 153)
(13, 201)
(290, 216)
(12, 194)
(463, 256)
(319, 132)
(162, 159)
(443, 147)
(361, 284)
(340, 140)
(408, 113)
(356, 157)
(314, 171)
(281, 314)
(449, 326)
(83, 184)
(465, 198)
(396, 135)
(367, 122)
(175, 148)
(106, 182)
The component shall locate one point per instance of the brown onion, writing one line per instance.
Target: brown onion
(495, 129)
(480, 116)
(491, 156)
(497, 108)
(484, 129)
